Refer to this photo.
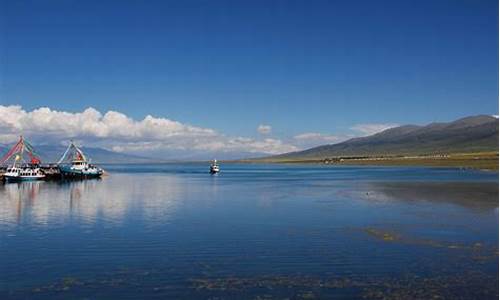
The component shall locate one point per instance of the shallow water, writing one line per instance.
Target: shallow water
(253, 231)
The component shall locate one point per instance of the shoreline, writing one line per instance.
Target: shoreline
(487, 161)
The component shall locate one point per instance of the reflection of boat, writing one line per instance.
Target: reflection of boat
(22, 170)
(79, 167)
(214, 167)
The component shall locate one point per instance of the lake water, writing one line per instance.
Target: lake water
(252, 232)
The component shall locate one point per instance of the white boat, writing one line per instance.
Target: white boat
(214, 167)
(22, 170)
(23, 173)
(80, 166)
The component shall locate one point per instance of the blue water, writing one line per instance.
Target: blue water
(268, 231)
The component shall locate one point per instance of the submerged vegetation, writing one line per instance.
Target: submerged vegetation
(410, 286)
(208, 283)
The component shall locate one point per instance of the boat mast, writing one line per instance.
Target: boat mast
(19, 156)
(65, 153)
(80, 153)
(22, 149)
(77, 151)
(17, 152)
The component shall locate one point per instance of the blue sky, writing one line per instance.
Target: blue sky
(296, 66)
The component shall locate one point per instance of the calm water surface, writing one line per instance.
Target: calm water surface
(252, 232)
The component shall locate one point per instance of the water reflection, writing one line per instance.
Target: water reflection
(481, 196)
(110, 199)
(17, 198)
(275, 233)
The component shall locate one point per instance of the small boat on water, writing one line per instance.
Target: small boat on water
(214, 167)
(78, 166)
(22, 170)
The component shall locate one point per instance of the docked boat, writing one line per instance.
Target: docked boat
(23, 173)
(22, 170)
(214, 167)
(79, 165)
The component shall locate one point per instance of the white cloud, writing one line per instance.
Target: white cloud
(318, 137)
(219, 144)
(312, 139)
(372, 128)
(264, 129)
(152, 135)
(117, 131)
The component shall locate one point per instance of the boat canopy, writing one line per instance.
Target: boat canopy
(16, 153)
(72, 154)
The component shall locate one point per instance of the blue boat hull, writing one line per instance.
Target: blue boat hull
(68, 173)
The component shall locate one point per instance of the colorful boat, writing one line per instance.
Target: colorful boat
(78, 166)
(22, 170)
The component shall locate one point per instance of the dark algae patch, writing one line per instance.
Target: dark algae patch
(382, 235)
(469, 285)
(391, 236)
(406, 287)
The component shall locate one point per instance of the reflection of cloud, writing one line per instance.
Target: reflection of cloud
(45, 203)
(476, 195)
(16, 199)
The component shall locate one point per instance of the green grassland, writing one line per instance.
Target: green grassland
(478, 160)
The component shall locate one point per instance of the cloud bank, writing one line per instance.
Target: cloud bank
(372, 128)
(116, 131)
(313, 139)
(154, 136)
(264, 129)
(314, 136)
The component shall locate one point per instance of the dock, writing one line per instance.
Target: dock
(72, 164)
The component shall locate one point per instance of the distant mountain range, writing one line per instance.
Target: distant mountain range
(51, 154)
(471, 134)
